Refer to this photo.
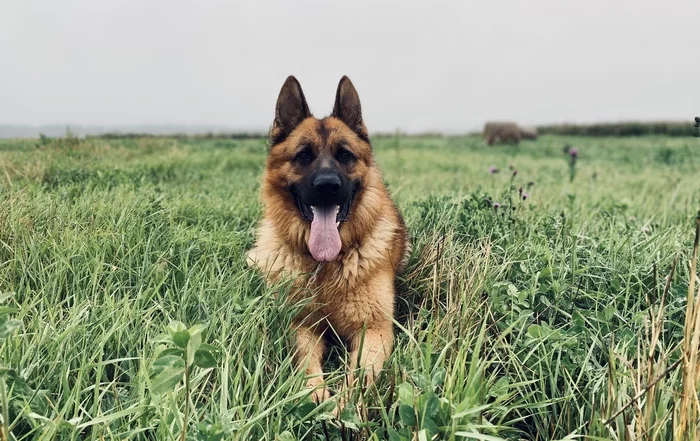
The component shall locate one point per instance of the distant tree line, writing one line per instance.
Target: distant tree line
(599, 129)
(208, 135)
(621, 129)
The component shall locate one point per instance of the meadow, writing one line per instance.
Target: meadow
(543, 294)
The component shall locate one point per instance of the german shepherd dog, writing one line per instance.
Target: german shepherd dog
(330, 225)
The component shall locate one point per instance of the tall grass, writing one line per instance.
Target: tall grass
(569, 314)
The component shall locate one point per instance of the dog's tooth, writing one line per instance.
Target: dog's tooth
(337, 224)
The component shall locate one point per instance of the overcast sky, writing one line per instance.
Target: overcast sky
(426, 65)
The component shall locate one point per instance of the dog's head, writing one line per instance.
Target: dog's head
(319, 165)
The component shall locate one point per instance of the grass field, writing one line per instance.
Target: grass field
(536, 318)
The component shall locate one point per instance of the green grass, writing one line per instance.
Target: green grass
(537, 320)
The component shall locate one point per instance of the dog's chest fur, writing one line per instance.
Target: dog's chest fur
(344, 293)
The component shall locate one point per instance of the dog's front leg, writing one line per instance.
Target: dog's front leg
(309, 353)
(372, 341)
(369, 349)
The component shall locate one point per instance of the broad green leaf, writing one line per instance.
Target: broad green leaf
(406, 394)
(181, 338)
(303, 410)
(349, 418)
(167, 361)
(535, 331)
(285, 436)
(195, 341)
(215, 437)
(407, 415)
(8, 326)
(176, 326)
(172, 351)
(197, 329)
(167, 379)
(7, 310)
(431, 426)
(192, 346)
(204, 359)
(210, 432)
(395, 436)
(432, 404)
(211, 348)
(500, 386)
(163, 338)
(439, 377)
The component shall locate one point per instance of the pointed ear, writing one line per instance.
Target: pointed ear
(291, 110)
(347, 108)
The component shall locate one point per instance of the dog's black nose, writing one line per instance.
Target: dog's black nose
(326, 184)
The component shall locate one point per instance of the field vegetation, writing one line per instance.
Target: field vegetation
(551, 294)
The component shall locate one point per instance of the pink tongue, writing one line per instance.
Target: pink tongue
(324, 241)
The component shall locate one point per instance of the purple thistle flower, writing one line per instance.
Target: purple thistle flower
(524, 195)
(573, 152)
(493, 170)
(496, 205)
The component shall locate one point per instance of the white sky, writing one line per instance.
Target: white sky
(427, 65)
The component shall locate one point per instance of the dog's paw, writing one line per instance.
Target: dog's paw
(340, 403)
(321, 394)
(252, 258)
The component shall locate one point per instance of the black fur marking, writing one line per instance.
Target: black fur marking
(323, 131)
(274, 140)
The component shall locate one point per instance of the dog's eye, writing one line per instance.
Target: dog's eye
(344, 156)
(303, 157)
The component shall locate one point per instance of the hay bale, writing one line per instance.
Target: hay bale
(528, 132)
(502, 132)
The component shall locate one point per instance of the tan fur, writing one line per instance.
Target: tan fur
(502, 132)
(356, 290)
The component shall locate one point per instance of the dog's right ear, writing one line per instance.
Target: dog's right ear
(291, 110)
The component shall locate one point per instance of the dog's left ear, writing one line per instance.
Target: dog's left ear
(347, 108)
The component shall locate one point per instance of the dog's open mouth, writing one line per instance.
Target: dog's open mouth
(307, 211)
(324, 239)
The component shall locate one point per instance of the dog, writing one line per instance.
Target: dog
(331, 227)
